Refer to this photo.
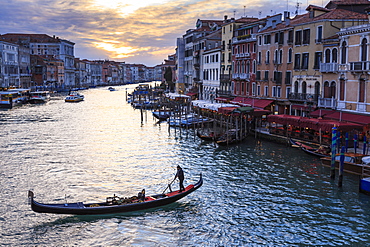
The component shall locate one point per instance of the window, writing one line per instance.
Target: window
(297, 61)
(267, 39)
(361, 91)
(334, 55)
(259, 57)
(344, 53)
(266, 78)
(274, 93)
(266, 91)
(267, 57)
(306, 36)
(254, 87)
(258, 90)
(288, 91)
(305, 58)
(342, 89)
(288, 77)
(290, 55)
(276, 38)
(364, 50)
(298, 37)
(280, 56)
(319, 34)
(290, 37)
(327, 55)
(318, 57)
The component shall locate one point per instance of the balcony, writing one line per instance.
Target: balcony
(244, 38)
(242, 55)
(241, 76)
(329, 67)
(327, 102)
(359, 66)
(303, 96)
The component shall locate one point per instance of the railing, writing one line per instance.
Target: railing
(329, 67)
(327, 102)
(303, 97)
(359, 66)
(241, 76)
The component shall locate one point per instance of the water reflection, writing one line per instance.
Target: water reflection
(255, 193)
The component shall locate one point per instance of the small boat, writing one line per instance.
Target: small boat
(111, 89)
(230, 138)
(39, 97)
(211, 136)
(352, 162)
(114, 204)
(74, 97)
(162, 115)
(311, 148)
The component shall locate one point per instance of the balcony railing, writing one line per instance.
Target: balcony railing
(329, 67)
(327, 102)
(241, 76)
(303, 97)
(359, 66)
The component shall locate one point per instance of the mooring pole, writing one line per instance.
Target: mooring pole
(333, 151)
(341, 167)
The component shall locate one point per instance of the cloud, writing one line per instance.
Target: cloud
(141, 31)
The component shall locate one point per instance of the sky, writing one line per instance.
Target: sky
(133, 31)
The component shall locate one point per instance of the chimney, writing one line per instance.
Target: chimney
(273, 23)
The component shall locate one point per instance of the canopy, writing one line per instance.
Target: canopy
(313, 123)
(245, 109)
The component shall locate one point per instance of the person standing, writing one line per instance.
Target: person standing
(180, 176)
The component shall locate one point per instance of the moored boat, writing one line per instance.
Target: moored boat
(13, 97)
(39, 97)
(114, 204)
(352, 162)
(311, 148)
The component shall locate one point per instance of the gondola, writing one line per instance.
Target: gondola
(314, 149)
(114, 204)
(210, 137)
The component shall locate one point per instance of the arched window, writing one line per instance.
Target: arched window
(280, 56)
(248, 69)
(243, 67)
(290, 55)
(267, 57)
(334, 55)
(333, 90)
(304, 89)
(342, 89)
(344, 53)
(327, 56)
(296, 85)
(326, 90)
(276, 57)
(364, 50)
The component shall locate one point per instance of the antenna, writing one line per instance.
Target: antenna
(297, 7)
(244, 10)
(259, 14)
(234, 14)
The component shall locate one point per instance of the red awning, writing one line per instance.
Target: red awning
(284, 119)
(222, 99)
(226, 110)
(261, 103)
(260, 112)
(300, 107)
(349, 117)
(191, 94)
(237, 100)
(321, 112)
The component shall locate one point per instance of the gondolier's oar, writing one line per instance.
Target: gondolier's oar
(169, 186)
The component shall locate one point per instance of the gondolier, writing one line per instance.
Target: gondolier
(180, 176)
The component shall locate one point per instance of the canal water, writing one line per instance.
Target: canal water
(257, 193)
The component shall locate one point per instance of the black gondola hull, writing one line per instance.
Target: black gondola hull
(88, 209)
